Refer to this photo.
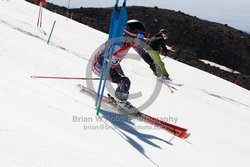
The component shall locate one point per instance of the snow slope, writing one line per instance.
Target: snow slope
(37, 126)
(219, 66)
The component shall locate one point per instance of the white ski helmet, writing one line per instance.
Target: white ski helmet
(134, 27)
(164, 33)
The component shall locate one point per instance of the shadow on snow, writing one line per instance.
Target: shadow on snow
(123, 123)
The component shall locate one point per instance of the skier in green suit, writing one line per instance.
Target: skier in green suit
(155, 46)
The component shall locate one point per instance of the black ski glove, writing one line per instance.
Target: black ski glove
(164, 51)
(156, 69)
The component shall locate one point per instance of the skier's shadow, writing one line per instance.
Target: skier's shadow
(124, 123)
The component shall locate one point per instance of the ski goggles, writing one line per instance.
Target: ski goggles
(165, 37)
(140, 36)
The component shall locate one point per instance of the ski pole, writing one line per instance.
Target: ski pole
(76, 78)
(39, 15)
(68, 10)
(165, 82)
(148, 37)
(41, 19)
(51, 32)
(169, 87)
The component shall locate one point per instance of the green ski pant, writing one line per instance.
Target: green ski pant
(155, 55)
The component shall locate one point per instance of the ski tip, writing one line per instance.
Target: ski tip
(32, 76)
(184, 135)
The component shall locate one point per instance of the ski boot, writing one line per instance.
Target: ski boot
(127, 107)
(112, 100)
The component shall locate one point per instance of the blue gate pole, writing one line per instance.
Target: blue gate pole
(112, 32)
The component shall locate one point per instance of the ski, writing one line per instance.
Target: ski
(172, 83)
(93, 94)
(173, 129)
(109, 100)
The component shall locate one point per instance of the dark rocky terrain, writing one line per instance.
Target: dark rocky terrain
(191, 38)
